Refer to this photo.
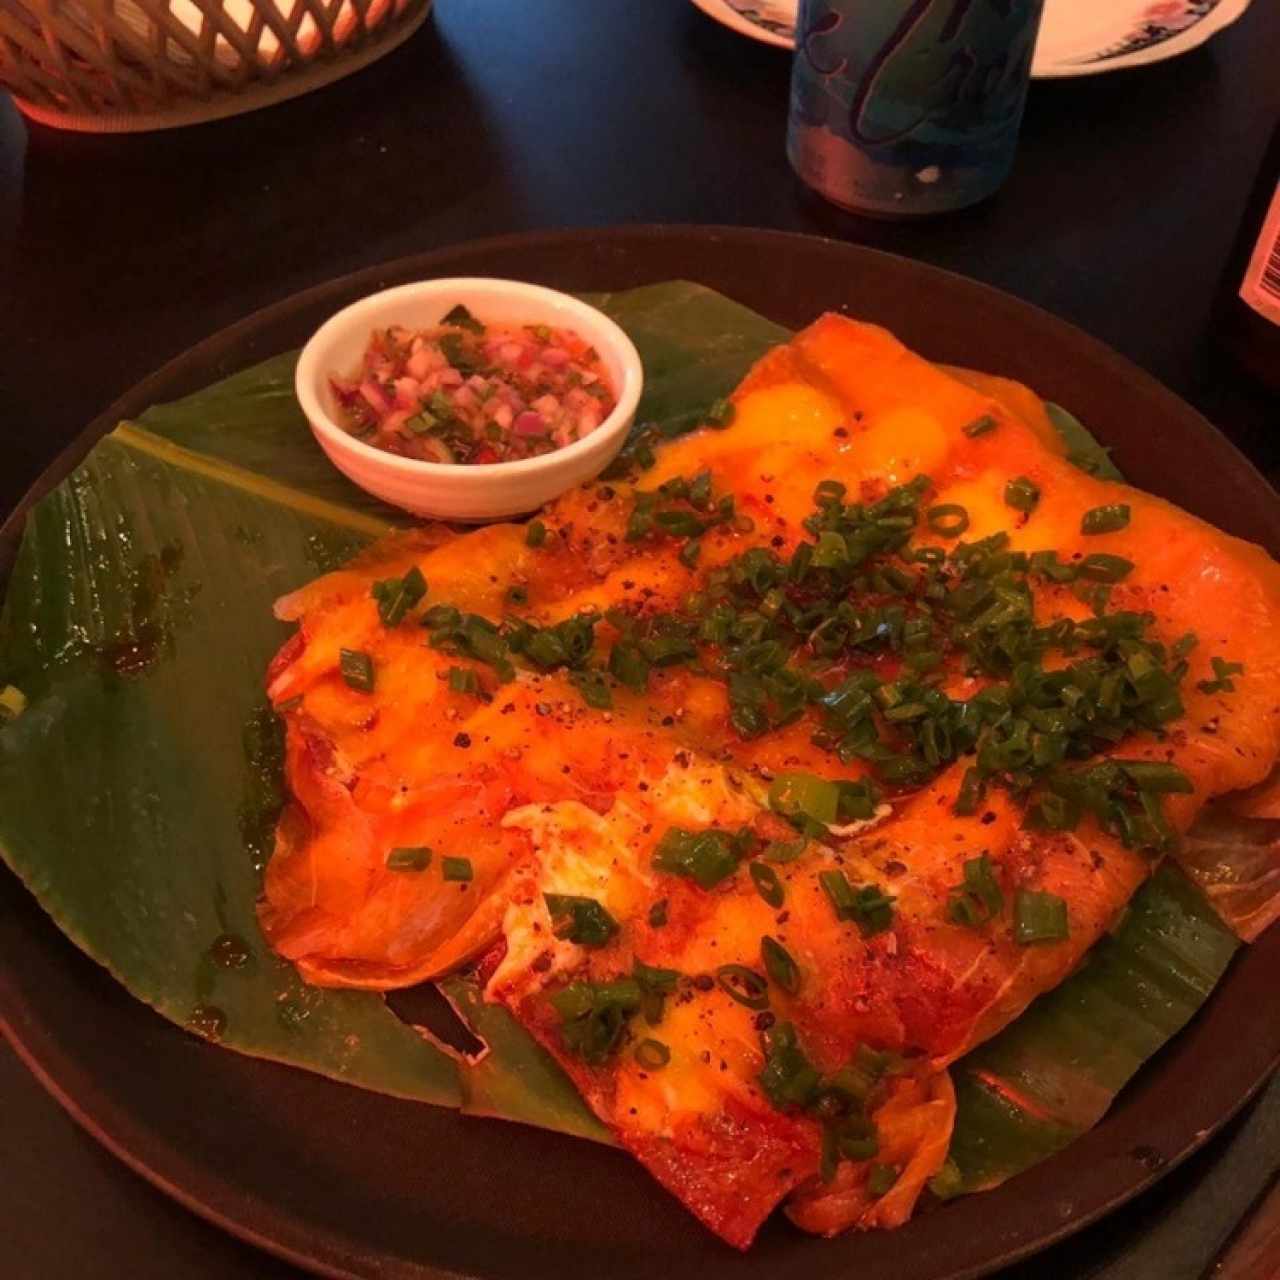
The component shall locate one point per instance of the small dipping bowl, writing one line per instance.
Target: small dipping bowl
(464, 491)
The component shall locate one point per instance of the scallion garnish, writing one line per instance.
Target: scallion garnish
(594, 1016)
(978, 898)
(396, 596)
(970, 795)
(594, 689)
(1039, 917)
(1022, 494)
(356, 667)
(1107, 519)
(581, 920)
(1222, 673)
(461, 318)
(464, 680)
(705, 857)
(806, 799)
(409, 859)
(535, 534)
(947, 519)
(980, 426)
(767, 884)
(1101, 567)
(456, 869)
(868, 906)
(779, 965)
(658, 914)
(744, 985)
(1156, 776)
(655, 986)
(789, 1080)
(784, 850)
(688, 554)
(652, 1054)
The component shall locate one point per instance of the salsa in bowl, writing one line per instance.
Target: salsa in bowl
(469, 398)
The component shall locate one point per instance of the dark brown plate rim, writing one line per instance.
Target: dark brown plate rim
(1033, 1211)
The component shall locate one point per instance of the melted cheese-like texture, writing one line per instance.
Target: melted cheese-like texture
(544, 794)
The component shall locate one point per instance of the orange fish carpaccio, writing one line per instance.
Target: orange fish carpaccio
(545, 794)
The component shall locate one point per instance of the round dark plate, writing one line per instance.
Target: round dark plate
(350, 1183)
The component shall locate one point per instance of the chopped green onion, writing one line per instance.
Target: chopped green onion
(970, 795)
(594, 689)
(688, 554)
(789, 1079)
(779, 965)
(1039, 917)
(867, 906)
(978, 898)
(658, 914)
(705, 857)
(679, 524)
(980, 426)
(440, 616)
(1105, 568)
(744, 985)
(857, 1138)
(628, 665)
(464, 680)
(767, 884)
(456, 869)
(805, 795)
(580, 920)
(830, 552)
(535, 534)
(1156, 776)
(396, 596)
(409, 859)
(420, 424)
(948, 519)
(594, 1016)
(652, 1054)
(1022, 494)
(784, 850)
(1106, 519)
(357, 669)
(461, 318)
(1222, 682)
(882, 1178)
(655, 986)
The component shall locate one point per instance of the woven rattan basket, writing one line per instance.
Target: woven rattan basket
(111, 66)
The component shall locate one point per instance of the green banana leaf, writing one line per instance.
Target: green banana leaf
(138, 624)
(515, 1078)
(1052, 1074)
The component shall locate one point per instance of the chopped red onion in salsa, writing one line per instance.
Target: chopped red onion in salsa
(470, 392)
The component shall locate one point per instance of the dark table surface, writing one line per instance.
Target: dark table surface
(117, 253)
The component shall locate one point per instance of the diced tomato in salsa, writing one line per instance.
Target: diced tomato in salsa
(470, 392)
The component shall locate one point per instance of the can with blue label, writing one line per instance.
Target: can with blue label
(903, 108)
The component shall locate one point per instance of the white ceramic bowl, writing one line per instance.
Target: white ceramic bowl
(486, 491)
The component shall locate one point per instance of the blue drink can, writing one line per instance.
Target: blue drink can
(908, 107)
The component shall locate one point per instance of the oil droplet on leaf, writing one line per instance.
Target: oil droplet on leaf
(208, 1021)
(230, 952)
